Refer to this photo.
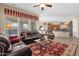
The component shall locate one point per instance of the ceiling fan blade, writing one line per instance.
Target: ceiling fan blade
(48, 5)
(36, 5)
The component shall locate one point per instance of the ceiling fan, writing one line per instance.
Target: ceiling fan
(43, 5)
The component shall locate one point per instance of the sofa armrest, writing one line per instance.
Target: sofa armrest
(26, 51)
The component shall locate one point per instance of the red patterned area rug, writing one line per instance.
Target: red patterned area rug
(52, 48)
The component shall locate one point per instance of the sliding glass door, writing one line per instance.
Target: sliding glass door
(33, 25)
(11, 26)
(25, 25)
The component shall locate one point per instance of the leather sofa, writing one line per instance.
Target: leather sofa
(21, 52)
(7, 49)
(14, 39)
(30, 36)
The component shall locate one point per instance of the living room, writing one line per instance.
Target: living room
(39, 29)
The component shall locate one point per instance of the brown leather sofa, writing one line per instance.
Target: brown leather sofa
(14, 39)
(5, 49)
(30, 36)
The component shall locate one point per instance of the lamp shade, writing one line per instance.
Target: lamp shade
(42, 29)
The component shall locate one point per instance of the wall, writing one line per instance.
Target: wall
(1, 18)
(76, 27)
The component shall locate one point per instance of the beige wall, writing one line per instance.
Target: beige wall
(76, 27)
(2, 18)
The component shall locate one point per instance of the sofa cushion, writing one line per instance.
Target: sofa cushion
(14, 39)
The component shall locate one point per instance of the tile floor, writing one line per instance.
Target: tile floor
(69, 40)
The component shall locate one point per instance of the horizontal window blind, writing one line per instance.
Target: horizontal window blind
(19, 14)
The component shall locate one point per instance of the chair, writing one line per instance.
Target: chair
(50, 33)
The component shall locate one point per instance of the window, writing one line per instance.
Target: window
(11, 26)
(33, 25)
(25, 25)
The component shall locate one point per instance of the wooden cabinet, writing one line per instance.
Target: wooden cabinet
(54, 26)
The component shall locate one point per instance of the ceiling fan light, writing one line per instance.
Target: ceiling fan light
(42, 5)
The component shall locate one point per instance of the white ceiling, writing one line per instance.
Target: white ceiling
(58, 10)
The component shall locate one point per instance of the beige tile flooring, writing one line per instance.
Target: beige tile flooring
(69, 40)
